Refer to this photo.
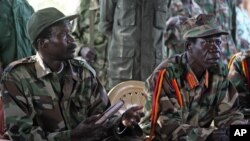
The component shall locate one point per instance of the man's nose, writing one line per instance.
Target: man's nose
(214, 47)
(70, 38)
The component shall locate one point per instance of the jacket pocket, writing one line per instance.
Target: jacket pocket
(126, 12)
(161, 15)
(121, 51)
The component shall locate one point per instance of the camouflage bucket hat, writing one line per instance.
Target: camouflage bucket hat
(44, 18)
(201, 26)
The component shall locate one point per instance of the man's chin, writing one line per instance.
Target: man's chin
(71, 56)
(213, 63)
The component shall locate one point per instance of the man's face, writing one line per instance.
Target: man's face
(61, 44)
(206, 51)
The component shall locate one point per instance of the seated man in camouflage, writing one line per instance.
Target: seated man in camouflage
(51, 96)
(189, 91)
(239, 67)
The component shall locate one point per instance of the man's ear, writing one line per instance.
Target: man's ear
(187, 45)
(46, 41)
(42, 42)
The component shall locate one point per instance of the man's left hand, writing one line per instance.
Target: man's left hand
(132, 116)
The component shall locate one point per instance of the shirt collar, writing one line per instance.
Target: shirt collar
(41, 68)
(193, 81)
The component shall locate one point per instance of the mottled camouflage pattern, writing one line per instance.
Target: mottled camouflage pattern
(90, 9)
(216, 101)
(173, 37)
(38, 108)
(224, 11)
(136, 29)
(200, 26)
(239, 80)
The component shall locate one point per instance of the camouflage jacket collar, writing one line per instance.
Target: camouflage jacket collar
(42, 70)
(192, 79)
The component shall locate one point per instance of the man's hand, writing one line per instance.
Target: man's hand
(88, 53)
(132, 116)
(175, 21)
(88, 130)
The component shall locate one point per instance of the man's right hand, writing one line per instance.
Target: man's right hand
(175, 21)
(88, 53)
(88, 130)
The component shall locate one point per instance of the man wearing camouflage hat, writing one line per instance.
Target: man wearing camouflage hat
(52, 96)
(225, 14)
(189, 91)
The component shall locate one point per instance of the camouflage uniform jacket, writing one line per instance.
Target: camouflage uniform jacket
(238, 78)
(211, 98)
(136, 29)
(42, 105)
